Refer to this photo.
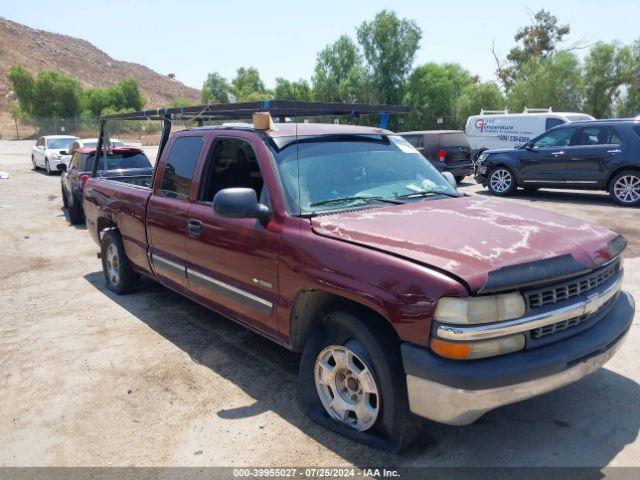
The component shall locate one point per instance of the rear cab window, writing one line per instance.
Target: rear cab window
(180, 166)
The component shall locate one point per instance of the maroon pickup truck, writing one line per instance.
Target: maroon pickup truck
(406, 298)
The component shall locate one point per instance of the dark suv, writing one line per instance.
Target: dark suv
(593, 155)
(447, 150)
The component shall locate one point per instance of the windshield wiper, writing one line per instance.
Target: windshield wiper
(331, 201)
(426, 193)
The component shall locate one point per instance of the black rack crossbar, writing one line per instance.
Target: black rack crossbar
(277, 108)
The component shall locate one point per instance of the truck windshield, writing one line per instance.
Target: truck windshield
(330, 172)
(120, 160)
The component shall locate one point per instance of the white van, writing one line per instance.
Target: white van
(496, 129)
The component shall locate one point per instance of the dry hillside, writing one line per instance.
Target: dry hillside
(39, 50)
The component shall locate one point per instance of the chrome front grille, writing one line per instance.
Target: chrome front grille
(571, 288)
(560, 326)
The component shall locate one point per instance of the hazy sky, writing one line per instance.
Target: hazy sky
(281, 38)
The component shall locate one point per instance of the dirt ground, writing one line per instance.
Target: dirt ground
(151, 379)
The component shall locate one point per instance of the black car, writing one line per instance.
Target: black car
(592, 155)
(122, 161)
(447, 150)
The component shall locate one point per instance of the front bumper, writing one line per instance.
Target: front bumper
(459, 392)
(480, 174)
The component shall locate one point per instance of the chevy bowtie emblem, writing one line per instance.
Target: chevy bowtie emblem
(592, 304)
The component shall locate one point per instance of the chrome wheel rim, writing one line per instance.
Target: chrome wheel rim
(113, 272)
(627, 189)
(346, 387)
(501, 180)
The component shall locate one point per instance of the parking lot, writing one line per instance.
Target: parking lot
(152, 379)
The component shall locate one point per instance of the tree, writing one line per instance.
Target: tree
(215, 89)
(607, 68)
(431, 91)
(132, 96)
(247, 85)
(339, 75)
(56, 95)
(389, 45)
(23, 85)
(287, 90)
(475, 97)
(554, 82)
(538, 41)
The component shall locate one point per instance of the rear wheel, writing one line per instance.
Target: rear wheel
(65, 201)
(118, 273)
(352, 382)
(76, 215)
(625, 188)
(501, 181)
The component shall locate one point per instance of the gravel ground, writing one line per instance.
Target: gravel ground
(151, 379)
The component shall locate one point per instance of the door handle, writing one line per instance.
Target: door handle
(616, 150)
(555, 154)
(194, 226)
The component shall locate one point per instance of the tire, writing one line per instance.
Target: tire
(65, 201)
(383, 419)
(459, 178)
(119, 276)
(48, 167)
(501, 181)
(33, 161)
(76, 215)
(624, 188)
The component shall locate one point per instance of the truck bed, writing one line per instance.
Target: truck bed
(122, 200)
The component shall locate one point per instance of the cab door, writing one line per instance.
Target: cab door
(595, 148)
(168, 209)
(233, 262)
(545, 159)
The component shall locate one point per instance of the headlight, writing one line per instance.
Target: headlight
(474, 310)
(483, 156)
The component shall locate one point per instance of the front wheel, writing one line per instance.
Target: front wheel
(65, 201)
(74, 208)
(33, 161)
(625, 188)
(118, 274)
(352, 382)
(48, 167)
(501, 181)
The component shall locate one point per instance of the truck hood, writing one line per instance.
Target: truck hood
(469, 237)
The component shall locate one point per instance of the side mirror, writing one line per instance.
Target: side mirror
(529, 146)
(62, 167)
(451, 179)
(239, 203)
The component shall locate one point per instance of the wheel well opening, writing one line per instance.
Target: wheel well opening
(617, 171)
(311, 306)
(104, 224)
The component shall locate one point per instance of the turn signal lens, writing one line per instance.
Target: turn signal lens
(475, 350)
(474, 310)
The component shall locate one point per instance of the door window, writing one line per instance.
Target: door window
(554, 122)
(232, 163)
(179, 168)
(560, 137)
(600, 135)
